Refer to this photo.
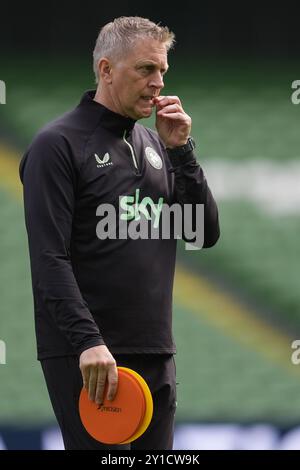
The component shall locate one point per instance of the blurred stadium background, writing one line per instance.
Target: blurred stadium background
(236, 306)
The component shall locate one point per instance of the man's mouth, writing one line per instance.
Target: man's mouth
(148, 99)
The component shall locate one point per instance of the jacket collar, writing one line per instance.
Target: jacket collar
(103, 116)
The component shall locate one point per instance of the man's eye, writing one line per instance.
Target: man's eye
(147, 68)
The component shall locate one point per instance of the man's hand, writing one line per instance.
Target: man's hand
(172, 123)
(98, 365)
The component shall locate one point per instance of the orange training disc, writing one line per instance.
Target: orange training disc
(115, 421)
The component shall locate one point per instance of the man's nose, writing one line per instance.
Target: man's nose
(157, 81)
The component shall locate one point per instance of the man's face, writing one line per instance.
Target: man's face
(138, 77)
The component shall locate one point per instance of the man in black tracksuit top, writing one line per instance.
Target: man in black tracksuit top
(107, 302)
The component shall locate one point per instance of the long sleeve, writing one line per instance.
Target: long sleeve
(191, 188)
(49, 177)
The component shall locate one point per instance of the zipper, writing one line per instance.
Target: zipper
(131, 151)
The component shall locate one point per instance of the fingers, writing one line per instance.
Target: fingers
(97, 382)
(162, 101)
(112, 377)
(171, 108)
(172, 122)
(174, 112)
(98, 365)
(101, 380)
(85, 372)
(176, 116)
(92, 383)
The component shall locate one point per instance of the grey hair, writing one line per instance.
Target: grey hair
(116, 38)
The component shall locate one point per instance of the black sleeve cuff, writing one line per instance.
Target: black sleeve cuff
(177, 161)
(90, 344)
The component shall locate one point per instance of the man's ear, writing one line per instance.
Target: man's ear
(105, 70)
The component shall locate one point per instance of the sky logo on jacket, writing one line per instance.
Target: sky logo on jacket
(166, 221)
(133, 208)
